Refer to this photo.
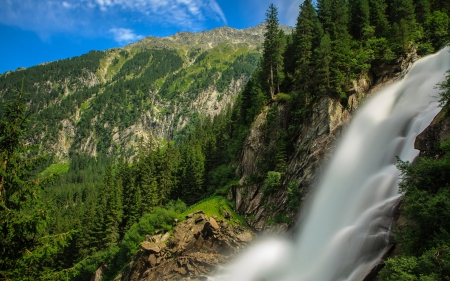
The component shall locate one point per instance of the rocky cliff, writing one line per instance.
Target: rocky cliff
(314, 142)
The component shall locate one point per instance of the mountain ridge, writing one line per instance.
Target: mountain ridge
(171, 77)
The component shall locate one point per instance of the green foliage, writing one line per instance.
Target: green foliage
(272, 60)
(216, 206)
(160, 219)
(444, 96)
(272, 182)
(56, 169)
(424, 240)
(294, 194)
(283, 98)
(437, 29)
(25, 246)
(404, 23)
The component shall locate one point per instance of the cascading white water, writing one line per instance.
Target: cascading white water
(345, 227)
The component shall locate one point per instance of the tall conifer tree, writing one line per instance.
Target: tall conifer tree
(378, 17)
(360, 17)
(272, 60)
(307, 28)
(404, 26)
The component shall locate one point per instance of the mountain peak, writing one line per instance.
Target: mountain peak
(208, 39)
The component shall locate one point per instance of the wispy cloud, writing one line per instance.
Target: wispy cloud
(124, 35)
(287, 10)
(96, 17)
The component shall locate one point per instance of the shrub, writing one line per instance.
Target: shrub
(271, 182)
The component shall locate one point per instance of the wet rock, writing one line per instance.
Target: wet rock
(427, 141)
(245, 237)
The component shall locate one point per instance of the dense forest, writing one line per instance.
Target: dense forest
(63, 222)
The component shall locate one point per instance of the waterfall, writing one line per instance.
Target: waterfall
(347, 219)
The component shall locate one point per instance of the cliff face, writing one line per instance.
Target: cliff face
(315, 141)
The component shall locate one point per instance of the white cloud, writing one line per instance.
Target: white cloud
(124, 35)
(95, 17)
(287, 10)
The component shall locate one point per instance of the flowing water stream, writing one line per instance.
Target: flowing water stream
(347, 220)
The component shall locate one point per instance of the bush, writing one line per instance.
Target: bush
(445, 87)
(159, 219)
(282, 97)
(271, 182)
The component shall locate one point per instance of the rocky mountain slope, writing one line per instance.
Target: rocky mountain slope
(111, 101)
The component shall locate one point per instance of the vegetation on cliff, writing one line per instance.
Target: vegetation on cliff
(424, 238)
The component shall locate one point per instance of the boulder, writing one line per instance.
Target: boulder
(153, 247)
(152, 260)
(165, 237)
(214, 224)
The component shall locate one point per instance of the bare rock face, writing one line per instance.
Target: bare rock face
(316, 138)
(197, 246)
(433, 135)
(315, 142)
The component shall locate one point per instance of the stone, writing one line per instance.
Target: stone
(214, 224)
(152, 247)
(165, 237)
(156, 238)
(200, 218)
(152, 260)
(245, 237)
(181, 270)
(98, 273)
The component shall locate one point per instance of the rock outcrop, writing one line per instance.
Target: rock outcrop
(434, 134)
(197, 246)
(315, 141)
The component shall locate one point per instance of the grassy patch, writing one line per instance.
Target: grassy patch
(216, 206)
(282, 97)
(57, 169)
(84, 105)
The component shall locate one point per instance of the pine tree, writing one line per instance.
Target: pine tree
(114, 213)
(274, 44)
(324, 11)
(340, 68)
(22, 214)
(437, 29)
(306, 31)
(422, 10)
(378, 17)
(404, 26)
(323, 61)
(360, 17)
(166, 167)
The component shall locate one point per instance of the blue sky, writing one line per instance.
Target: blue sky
(37, 31)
